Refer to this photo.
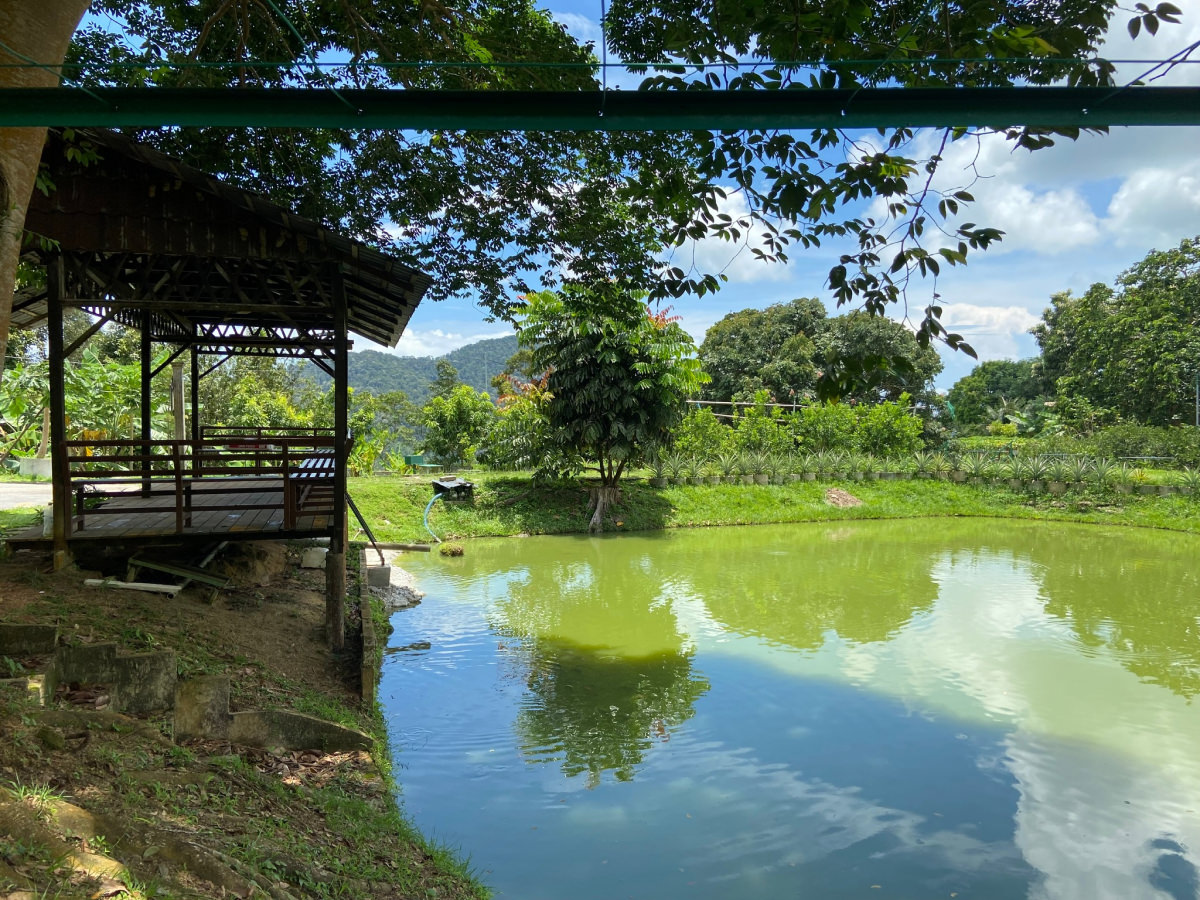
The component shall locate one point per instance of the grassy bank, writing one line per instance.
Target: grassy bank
(97, 804)
(508, 504)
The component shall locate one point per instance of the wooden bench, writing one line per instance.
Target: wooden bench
(310, 479)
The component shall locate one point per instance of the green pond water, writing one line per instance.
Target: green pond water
(916, 709)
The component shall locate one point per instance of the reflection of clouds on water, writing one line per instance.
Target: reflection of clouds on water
(1100, 828)
(808, 819)
(1109, 805)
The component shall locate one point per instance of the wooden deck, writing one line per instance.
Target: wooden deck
(229, 508)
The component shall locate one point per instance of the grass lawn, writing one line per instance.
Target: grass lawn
(509, 504)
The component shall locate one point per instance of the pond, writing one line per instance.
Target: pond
(916, 709)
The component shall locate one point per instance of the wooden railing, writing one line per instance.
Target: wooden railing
(295, 471)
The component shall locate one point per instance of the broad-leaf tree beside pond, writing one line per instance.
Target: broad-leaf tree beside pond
(456, 425)
(1133, 349)
(998, 384)
(618, 376)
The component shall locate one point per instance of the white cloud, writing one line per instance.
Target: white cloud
(1156, 207)
(993, 331)
(581, 28)
(436, 342)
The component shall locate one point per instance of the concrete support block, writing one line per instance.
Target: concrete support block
(379, 576)
(91, 663)
(293, 731)
(140, 682)
(202, 708)
(145, 682)
(368, 660)
(27, 640)
(313, 557)
(335, 600)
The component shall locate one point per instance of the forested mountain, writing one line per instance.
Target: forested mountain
(380, 372)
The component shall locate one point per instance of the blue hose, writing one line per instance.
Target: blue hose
(426, 519)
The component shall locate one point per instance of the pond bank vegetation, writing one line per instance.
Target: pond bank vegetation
(511, 504)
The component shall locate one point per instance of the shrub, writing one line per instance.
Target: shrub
(758, 430)
(888, 429)
(519, 437)
(1180, 442)
(703, 435)
(456, 425)
(824, 426)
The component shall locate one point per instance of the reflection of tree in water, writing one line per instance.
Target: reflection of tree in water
(600, 713)
(607, 668)
(864, 582)
(1136, 595)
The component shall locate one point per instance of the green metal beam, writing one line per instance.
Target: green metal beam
(594, 111)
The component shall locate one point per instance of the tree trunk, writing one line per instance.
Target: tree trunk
(45, 442)
(41, 32)
(602, 496)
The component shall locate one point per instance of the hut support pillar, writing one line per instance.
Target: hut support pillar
(335, 561)
(55, 279)
(146, 368)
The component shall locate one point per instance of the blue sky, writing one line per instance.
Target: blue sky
(1075, 214)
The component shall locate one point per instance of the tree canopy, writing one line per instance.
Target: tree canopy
(1132, 349)
(763, 349)
(792, 351)
(807, 189)
(488, 214)
(500, 213)
(994, 382)
(617, 375)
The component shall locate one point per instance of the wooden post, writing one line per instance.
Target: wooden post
(177, 407)
(195, 391)
(146, 366)
(335, 560)
(60, 465)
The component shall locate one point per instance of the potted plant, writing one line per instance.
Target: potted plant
(711, 471)
(1057, 474)
(822, 463)
(777, 468)
(1123, 479)
(976, 466)
(922, 462)
(957, 472)
(676, 464)
(1103, 471)
(1013, 471)
(745, 468)
(871, 466)
(1079, 470)
(727, 463)
(1189, 481)
(658, 470)
(691, 470)
(807, 466)
(1035, 472)
(760, 464)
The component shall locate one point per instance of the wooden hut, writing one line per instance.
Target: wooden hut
(135, 237)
